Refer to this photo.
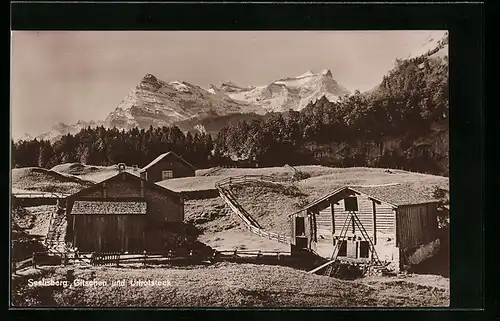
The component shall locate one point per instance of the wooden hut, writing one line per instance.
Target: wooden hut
(397, 219)
(114, 215)
(166, 166)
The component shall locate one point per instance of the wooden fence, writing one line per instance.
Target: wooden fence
(244, 179)
(116, 258)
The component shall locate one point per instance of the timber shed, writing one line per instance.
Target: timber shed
(166, 166)
(396, 218)
(116, 214)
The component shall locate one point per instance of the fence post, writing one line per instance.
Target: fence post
(216, 255)
(118, 259)
(33, 260)
(145, 256)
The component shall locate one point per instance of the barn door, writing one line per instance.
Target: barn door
(300, 226)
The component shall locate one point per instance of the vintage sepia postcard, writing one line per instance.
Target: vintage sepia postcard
(230, 168)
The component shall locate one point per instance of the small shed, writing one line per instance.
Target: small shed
(396, 218)
(115, 214)
(166, 166)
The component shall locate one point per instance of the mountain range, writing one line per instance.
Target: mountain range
(154, 102)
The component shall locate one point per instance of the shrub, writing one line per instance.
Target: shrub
(299, 175)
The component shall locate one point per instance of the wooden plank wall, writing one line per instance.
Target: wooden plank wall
(384, 216)
(105, 233)
(417, 224)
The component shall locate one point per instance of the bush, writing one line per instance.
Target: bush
(299, 175)
(301, 203)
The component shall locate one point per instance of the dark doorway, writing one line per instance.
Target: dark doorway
(343, 248)
(363, 249)
(300, 227)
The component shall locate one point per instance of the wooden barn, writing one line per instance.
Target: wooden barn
(166, 166)
(115, 214)
(398, 220)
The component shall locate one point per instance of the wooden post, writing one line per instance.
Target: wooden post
(33, 260)
(216, 255)
(145, 257)
(374, 223)
(332, 207)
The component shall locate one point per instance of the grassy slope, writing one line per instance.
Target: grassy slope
(282, 172)
(269, 203)
(196, 183)
(316, 187)
(221, 285)
(222, 230)
(40, 179)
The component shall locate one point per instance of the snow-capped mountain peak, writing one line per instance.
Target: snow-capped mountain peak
(327, 72)
(291, 92)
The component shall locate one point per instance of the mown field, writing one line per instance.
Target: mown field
(43, 180)
(220, 285)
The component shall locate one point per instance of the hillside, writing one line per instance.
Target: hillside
(43, 180)
(93, 174)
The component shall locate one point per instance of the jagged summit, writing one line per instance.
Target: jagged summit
(327, 72)
(149, 77)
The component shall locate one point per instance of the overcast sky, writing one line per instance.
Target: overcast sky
(66, 76)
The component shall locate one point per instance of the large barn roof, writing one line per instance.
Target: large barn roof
(109, 208)
(392, 194)
(159, 158)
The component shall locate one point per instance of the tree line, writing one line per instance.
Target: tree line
(103, 146)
